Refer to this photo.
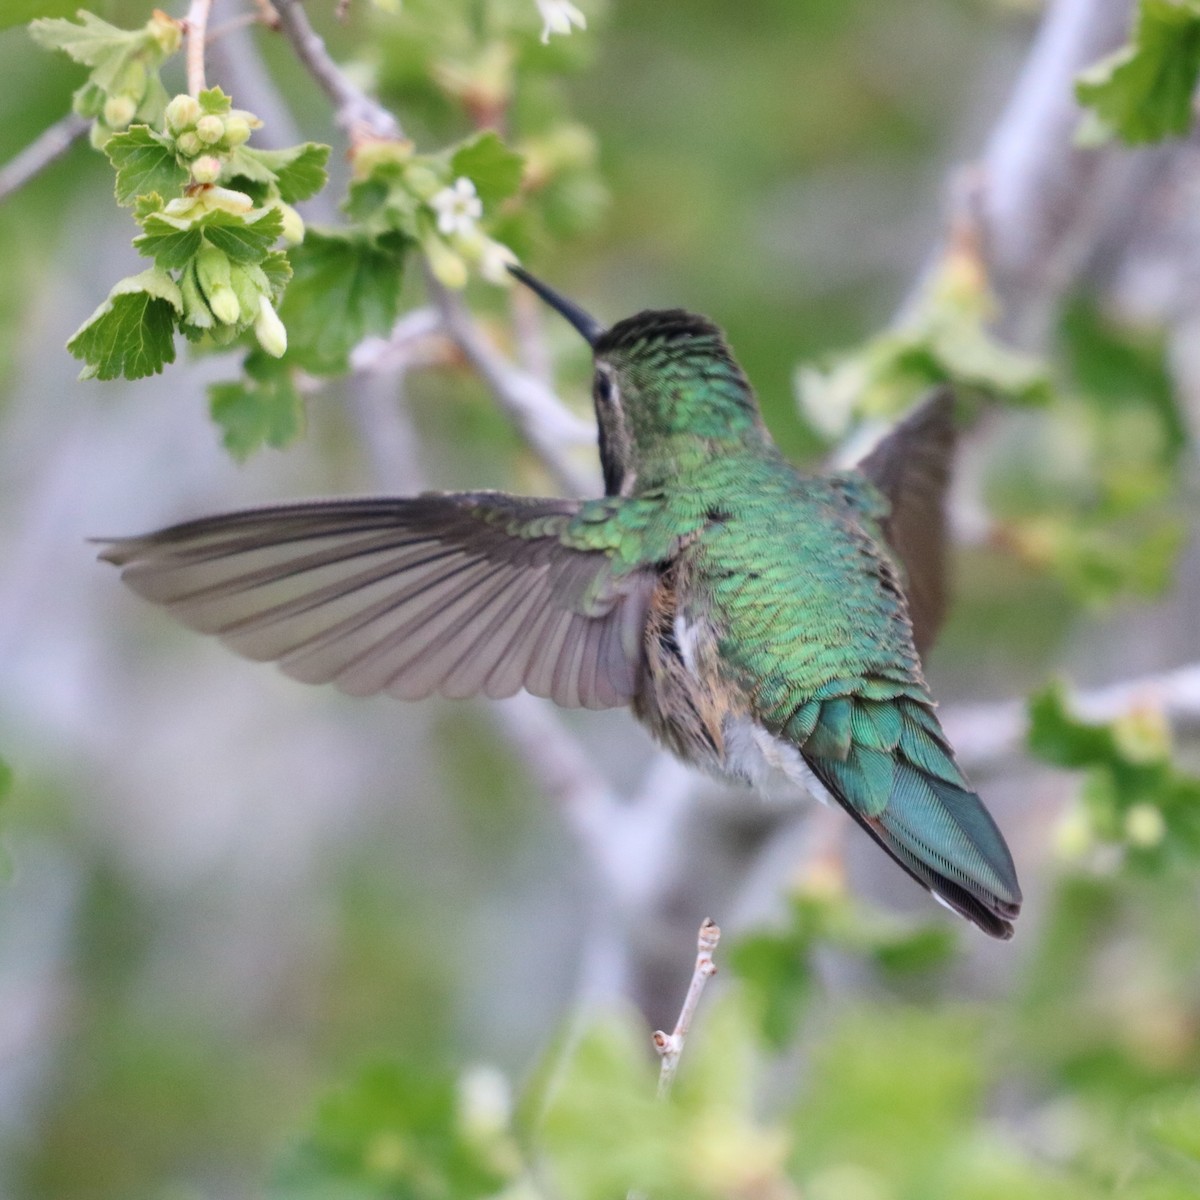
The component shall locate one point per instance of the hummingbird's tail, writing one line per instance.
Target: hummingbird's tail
(913, 800)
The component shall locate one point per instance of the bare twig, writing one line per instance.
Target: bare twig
(47, 148)
(195, 24)
(670, 1045)
(355, 111)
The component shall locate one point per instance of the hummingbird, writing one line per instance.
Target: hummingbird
(762, 622)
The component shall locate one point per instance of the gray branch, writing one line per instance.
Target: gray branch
(47, 148)
(356, 112)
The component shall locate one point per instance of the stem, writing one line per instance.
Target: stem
(196, 26)
(355, 111)
(670, 1046)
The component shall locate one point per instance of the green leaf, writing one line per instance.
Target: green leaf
(244, 239)
(1057, 737)
(5, 780)
(264, 409)
(132, 334)
(278, 271)
(490, 165)
(397, 1132)
(214, 102)
(344, 286)
(19, 12)
(1144, 91)
(298, 172)
(168, 244)
(145, 163)
(89, 41)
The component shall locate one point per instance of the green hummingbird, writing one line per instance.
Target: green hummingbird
(759, 620)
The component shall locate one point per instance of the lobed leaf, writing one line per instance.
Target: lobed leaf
(298, 172)
(145, 163)
(132, 334)
(344, 286)
(1144, 91)
(264, 409)
(492, 166)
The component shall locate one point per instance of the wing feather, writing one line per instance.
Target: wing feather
(456, 593)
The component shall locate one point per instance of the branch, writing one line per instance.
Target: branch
(1043, 201)
(47, 148)
(356, 112)
(195, 24)
(670, 1046)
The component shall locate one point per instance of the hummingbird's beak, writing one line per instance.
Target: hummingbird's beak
(587, 325)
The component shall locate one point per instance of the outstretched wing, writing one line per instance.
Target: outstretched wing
(911, 467)
(457, 593)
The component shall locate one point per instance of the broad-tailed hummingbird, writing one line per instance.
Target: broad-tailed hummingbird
(759, 620)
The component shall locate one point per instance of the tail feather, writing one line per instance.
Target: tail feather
(936, 828)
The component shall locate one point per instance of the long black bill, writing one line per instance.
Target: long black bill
(587, 325)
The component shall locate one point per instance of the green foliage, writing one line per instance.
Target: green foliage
(344, 287)
(492, 167)
(404, 1135)
(123, 87)
(1093, 497)
(212, 243)
(146, 164)
(1133, 794)
(131, 334)
(943, 340)
(263, 409)
(778, 968)
(1143, 92)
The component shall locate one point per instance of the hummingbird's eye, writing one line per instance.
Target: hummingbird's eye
(604, 388)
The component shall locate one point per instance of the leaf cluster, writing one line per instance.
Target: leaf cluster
(124, 86)
(1133, 795)
(1144, 91)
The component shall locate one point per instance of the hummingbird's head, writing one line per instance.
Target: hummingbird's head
(662, 378)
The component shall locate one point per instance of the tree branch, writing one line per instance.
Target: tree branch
(47, 148)
(355, 112)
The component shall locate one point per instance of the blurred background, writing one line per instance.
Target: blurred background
(227, 892)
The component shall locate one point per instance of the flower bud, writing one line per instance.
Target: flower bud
(224, 303)
(293, 223)
(99, 134)
(182, 113)
(166, 31)
(210, 129)
(195, 307)
(237, 130)
(269, 330)
(447, 266)
(213, 274)
(188, 144)
(119, 111)
(206, 169)
(132, 81)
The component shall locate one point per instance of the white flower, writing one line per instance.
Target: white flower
(457, 208)
(558, 16)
